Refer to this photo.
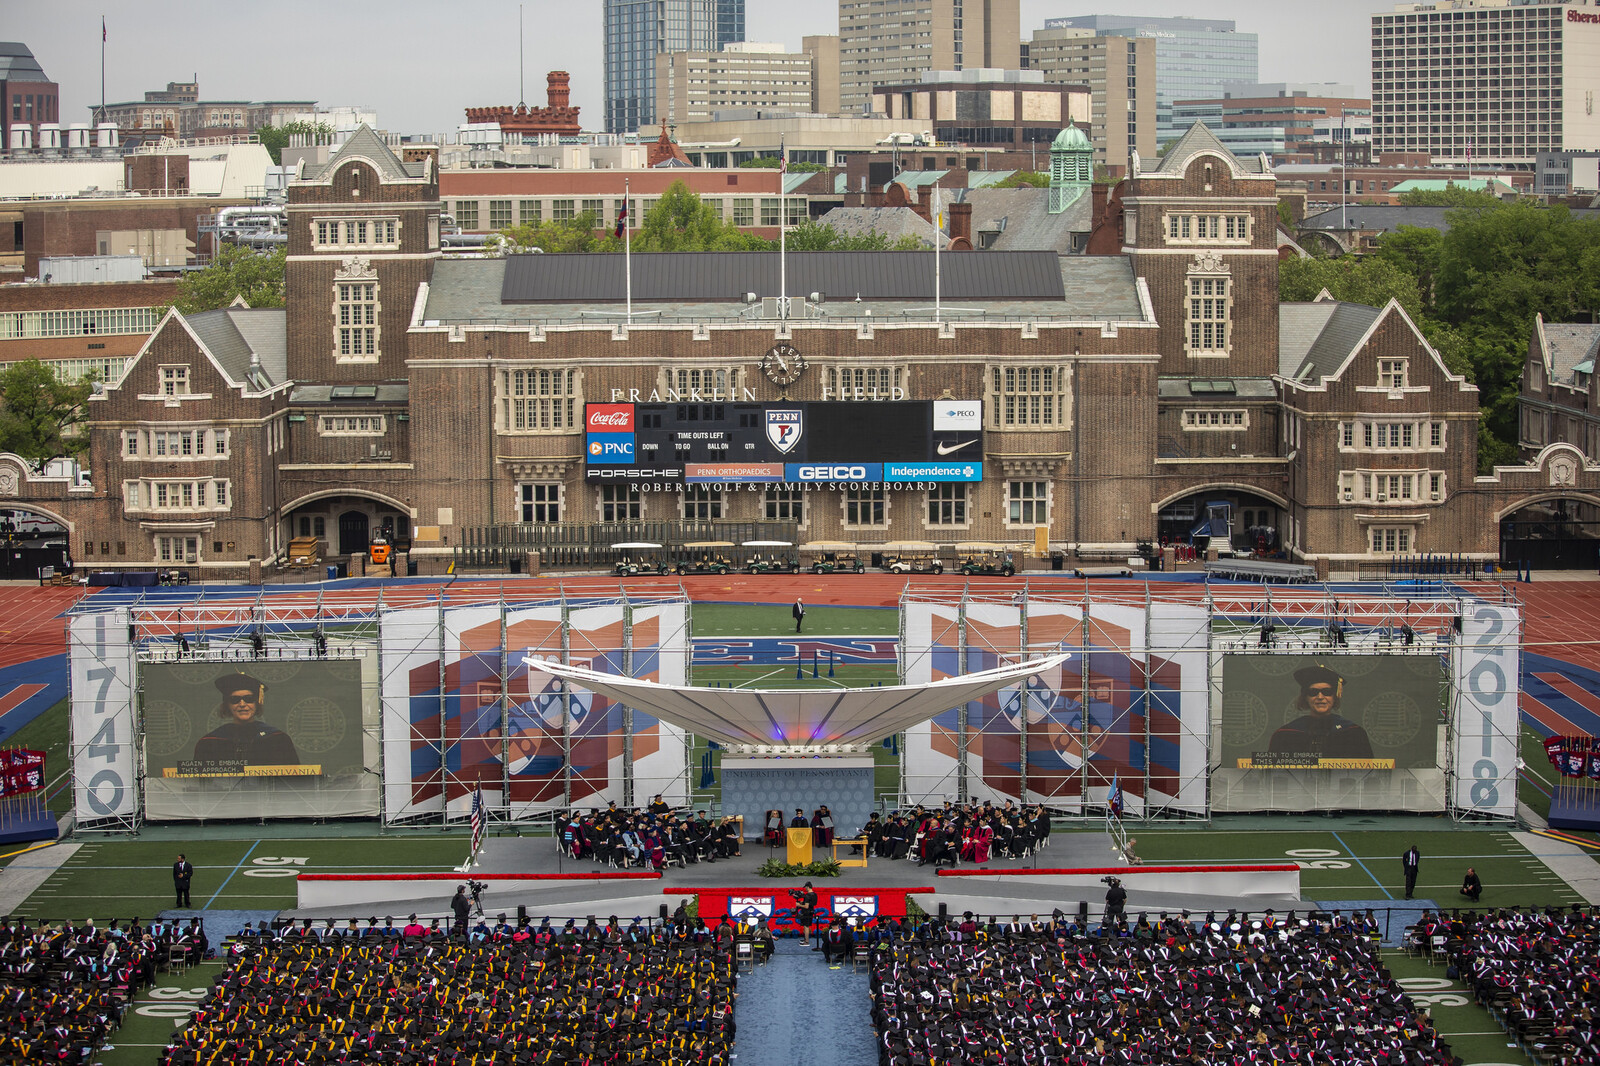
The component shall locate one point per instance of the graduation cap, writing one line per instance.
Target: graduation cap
(228, 684)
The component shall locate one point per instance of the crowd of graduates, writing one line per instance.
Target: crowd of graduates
(1537, 971)
(654, 837)
(495, 994)
(64, 987)
(1222, 992)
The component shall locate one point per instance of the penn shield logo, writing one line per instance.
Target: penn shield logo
(741, 907)
(784, 428)
(855, 906)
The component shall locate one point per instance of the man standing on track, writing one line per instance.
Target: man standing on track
(1411, 862)
(182, 874)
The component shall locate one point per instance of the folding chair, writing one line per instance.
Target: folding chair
(745, 954)
(860, 955)
(177, 958)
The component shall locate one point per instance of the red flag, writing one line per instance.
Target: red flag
(21, 770)
(102, 29)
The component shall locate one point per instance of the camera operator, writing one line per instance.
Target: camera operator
(476, 890)
(1116, 899)
(461, 908)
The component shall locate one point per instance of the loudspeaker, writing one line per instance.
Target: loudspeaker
(944, 911)
(665, 914)
(1083, 912)
(522, 914)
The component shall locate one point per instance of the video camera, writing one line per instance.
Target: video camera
(477, 889)
(1111, 879)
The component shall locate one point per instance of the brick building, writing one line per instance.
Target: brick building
(1121, 395)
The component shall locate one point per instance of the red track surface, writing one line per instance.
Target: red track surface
(1561, 619)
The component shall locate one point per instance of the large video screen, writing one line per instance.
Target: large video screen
(801, 442)
(252, 719)
(1345, 712)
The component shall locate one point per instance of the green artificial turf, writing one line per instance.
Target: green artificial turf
(745, 620)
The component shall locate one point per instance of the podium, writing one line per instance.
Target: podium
(799, 846)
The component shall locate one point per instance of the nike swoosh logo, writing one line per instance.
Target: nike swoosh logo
(946, 449)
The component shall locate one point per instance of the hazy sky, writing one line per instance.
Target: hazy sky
(419, 64)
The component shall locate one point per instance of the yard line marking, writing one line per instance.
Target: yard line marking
(1351, 852)
(236, 869)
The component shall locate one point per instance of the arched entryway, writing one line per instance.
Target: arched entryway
(345, 523)
(1560, 533)
(1225, 518)
(31, 539)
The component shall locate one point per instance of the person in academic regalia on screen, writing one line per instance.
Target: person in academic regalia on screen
(243, 736)
(1322, 730)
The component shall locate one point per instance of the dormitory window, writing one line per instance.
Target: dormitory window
(1391, 540)
(1027, 503)
(1391, 373)
(533, 400)
(563, 210)
(947, 505)
(467, 214)
(356, 308)
(357, 233)
(499, 214)
(353, 425)
(174, 381)
(539, 502)
(1027, 396)
(1216, 229)
(701, 502)
(178, 549)
(785, 505)
(864, 505)
(1207, 316)
(619, 503)
(863, 382)
(1230, 419)
(169, 495)
(529, 212)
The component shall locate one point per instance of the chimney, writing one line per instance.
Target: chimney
(556, 88)
(960, 223)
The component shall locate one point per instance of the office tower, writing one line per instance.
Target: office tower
(1121, 75)
(27, 98)
(891, 42)
(1194, 57)
(690, 86)
(1485, 82)
(636, 31)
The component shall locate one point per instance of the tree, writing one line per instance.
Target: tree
(235, 271)
(1353, 279)
(557, 235)
(1452, 195)
(1415, 249)
(772, 162)
(1024, 179)
(811, 236)
(681, 222)
(39, 412)
(276, 138)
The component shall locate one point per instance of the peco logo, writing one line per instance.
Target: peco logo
(611, 418)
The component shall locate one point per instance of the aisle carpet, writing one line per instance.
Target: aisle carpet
(797, 1009)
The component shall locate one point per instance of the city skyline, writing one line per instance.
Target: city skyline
(229, 49)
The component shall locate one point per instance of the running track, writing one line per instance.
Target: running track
(1560, 682)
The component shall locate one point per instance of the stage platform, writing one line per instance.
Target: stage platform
(1575, 807)
(529, 872)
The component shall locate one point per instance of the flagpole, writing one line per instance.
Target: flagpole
(783, 233)
(627, 246)
(102, 71)
(938, 229)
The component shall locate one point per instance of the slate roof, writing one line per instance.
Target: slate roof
(234, 334)
(1197, 139)
(1385, 218)
(1021, 220)
(893, 222)
(1093, 289)
(363, 142)
(701, 276)
(18, 64)
(1314, 339)
(1570, 346)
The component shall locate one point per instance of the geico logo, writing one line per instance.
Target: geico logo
(832, 473)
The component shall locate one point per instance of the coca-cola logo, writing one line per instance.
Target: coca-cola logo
(611, 418)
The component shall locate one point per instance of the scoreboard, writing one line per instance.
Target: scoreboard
(734, 443)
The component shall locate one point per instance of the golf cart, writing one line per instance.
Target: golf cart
(706, 557)
(911, 557)
(986, 560)
(633, 565)
(833, 557)
(775, 562)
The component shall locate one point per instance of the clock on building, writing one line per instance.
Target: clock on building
(783, 364)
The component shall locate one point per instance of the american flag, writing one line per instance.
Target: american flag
(477, 821)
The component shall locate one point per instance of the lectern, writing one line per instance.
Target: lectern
(799, 846)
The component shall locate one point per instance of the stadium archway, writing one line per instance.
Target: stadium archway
(1231, 516)
(32, 538)
(346, 521)
(1554, 532)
